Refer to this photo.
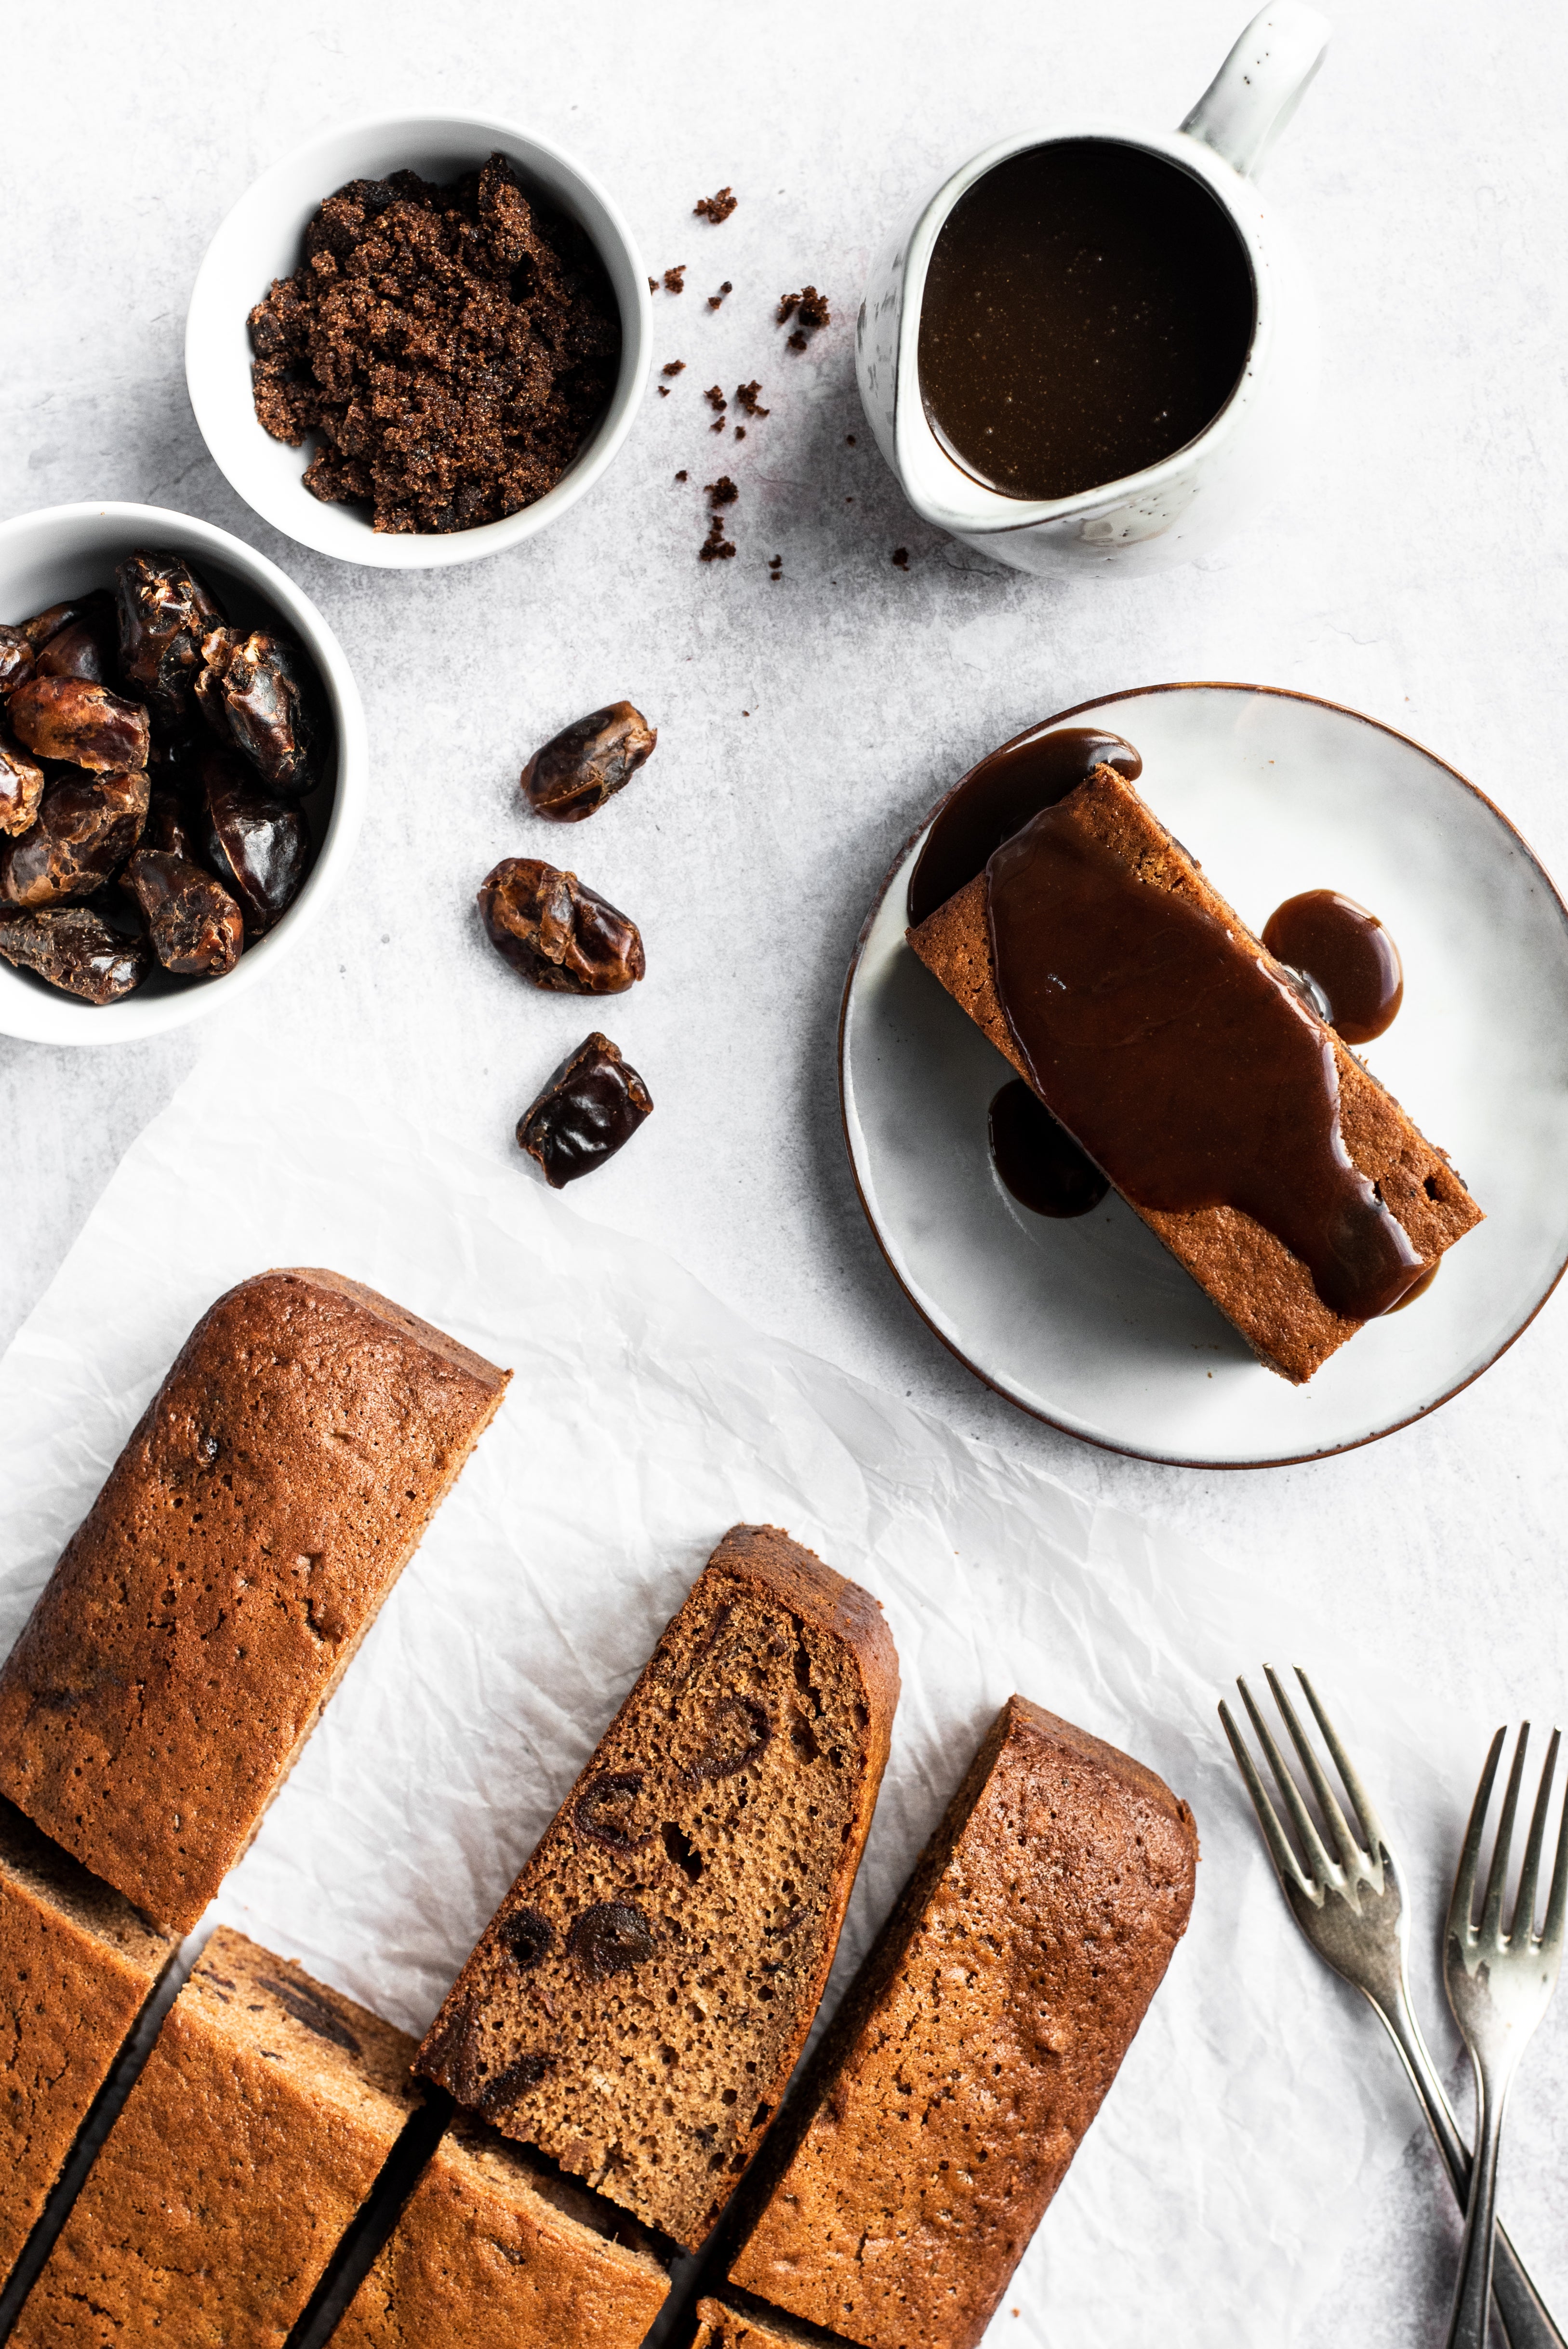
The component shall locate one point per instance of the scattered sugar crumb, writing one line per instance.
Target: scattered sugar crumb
(675, 366)
(747, 397)
(718, 208)
(682, 475)
(722, 493)
(675, 279)
(716, 301)
(901, 557)
(715, 396)
(715, 547)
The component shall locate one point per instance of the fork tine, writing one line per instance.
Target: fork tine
(1463, 1897)
(1317, 1859)
(1557, 1899)
(1497, 1876)
(1524, 1907)
(1352, 1858)
(1371, 1825)
(1280, 1852)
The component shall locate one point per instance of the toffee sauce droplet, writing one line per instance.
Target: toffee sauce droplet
(1037, 1159)
(1347, 952)
(999, 797)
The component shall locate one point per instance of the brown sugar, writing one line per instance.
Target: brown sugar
(78, 1965)
(637, 2003)
(975, 2048)
(258, 2126)
(715, 547)
(1256, 1281)
(809, 311)
(717, 208)
(675, 279)
(492, 2252)
(748, 397)
(722, 493)
(203, 1614)
(451, 347)
(716, 301)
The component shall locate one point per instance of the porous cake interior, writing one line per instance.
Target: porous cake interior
(635, 2005)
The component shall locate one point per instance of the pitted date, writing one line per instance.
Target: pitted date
(740, 1734)
(166, 829)
(557, 932)
(258, 697)
(196, 928)
(164, 612)
(587, 764)
(84, 725)
(87, 826)
(21, 787)
(591, 1108)
(605, 1807)
(74, 949)
(85, 646)
(611, 1938)
(259, 846)
(15, 659)
(528, 1938)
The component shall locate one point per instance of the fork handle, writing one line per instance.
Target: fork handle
(1472, 2293)
(1523, 2312)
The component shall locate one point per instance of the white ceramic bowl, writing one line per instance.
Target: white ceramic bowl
(261, 239)
(48, 556)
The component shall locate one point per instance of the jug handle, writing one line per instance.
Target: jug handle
(1260, 84)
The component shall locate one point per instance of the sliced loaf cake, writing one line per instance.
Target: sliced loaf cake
(258, 2126)
(639, 2000)
(180, 1653)
(492, 2252)
(951, 2091)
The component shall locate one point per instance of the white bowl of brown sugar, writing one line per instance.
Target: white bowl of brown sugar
(418, 339)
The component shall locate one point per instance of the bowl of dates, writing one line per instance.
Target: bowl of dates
(418, 339)
(182, 770)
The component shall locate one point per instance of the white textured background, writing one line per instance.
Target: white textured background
(1412, 570)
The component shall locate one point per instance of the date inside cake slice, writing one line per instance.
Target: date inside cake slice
(636, 2004)
(1189, 1065)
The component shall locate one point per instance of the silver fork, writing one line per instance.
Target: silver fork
(1499, 1985)
(1352, 1910)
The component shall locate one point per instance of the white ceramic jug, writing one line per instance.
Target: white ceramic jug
(1181, 506)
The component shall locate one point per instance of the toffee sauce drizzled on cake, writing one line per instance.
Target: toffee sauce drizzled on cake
(1348, 954)
(1195, 1076)
(997, 798)
(1037, 1158)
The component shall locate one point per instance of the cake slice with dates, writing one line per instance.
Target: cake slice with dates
(639, 2000)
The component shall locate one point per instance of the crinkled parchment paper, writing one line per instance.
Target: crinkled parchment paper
(644, 1419)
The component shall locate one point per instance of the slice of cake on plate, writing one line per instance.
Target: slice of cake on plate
(1188, 1064)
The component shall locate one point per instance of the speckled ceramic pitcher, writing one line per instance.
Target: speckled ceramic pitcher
(1182, 505)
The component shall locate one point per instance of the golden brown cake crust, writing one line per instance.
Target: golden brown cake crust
(78, 1965)
(258, 2125)
(975, 2045)
(639, 2000)
(720, 2324)
(199, 1619)
(1252, 1277)
(489, 2255)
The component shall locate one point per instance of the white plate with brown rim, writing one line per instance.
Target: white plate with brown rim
(1089, 1323)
